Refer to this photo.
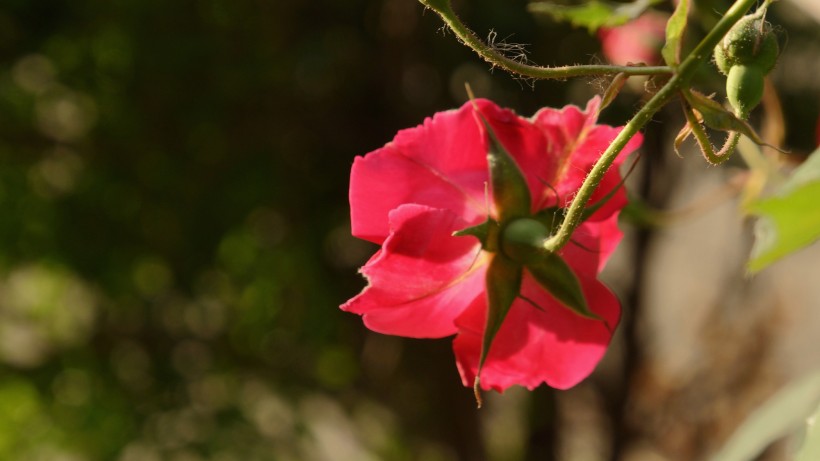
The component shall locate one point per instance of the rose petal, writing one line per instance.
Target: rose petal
(423, 277)
(637, 41)
(549, 344)
(443, 164)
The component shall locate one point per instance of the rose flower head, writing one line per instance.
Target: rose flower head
(460, 206)
(637, 41)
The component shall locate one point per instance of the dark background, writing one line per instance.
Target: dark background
(174, 238)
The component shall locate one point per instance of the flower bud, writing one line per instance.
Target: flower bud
(750, 42)
(744, 88)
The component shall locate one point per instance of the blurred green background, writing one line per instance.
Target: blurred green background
(174, 239)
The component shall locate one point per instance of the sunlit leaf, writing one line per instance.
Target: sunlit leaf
(782, 414)
(674, 34)
(789, 220)
(593, 14)
(810, 451)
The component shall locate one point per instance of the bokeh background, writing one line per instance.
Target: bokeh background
(174, 237)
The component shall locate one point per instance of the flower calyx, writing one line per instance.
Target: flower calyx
(516, 239)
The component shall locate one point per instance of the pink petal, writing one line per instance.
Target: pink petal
(593, 242)
(423, 277)
(565, 128)
(534, 346)
(442, 164)
(386, 179)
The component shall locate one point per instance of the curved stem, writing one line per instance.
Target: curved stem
(496, 58)
(702, 51)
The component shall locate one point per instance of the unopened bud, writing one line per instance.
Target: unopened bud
(751, 42)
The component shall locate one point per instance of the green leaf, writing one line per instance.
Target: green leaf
(511, 194)
(810, 451)
(503, 281)
(613, 90)
(593, 14)
(674, 34)
(777, 417)
(552, 273)
(790, 220)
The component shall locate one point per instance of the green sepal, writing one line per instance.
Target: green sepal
(487, 233)
(555, 275)
(718, 117)
(511, 194)
(503, 282)
(674, 34)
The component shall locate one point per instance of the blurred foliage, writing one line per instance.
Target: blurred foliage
(788, 220)
(175, 240)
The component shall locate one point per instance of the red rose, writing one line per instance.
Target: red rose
(411, 195)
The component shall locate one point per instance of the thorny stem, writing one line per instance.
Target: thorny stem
(714, 158)
(678, 81)
(494, 57)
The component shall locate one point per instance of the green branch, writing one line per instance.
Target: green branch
(496, 58)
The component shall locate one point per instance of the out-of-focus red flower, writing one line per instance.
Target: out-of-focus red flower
(411, 195)
(638, 41)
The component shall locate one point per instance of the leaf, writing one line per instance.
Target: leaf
(777, 417)
(719, 118)
(790, 220)
(552, 273)
(684, 133)
(511, 194)
(810, 451)
(503, 282)
(613, 90)
(593, 14)
(674, 34)
(694, 120)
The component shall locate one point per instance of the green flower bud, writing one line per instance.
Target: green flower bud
(750, 41)
(522, 240)
(744, 88)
